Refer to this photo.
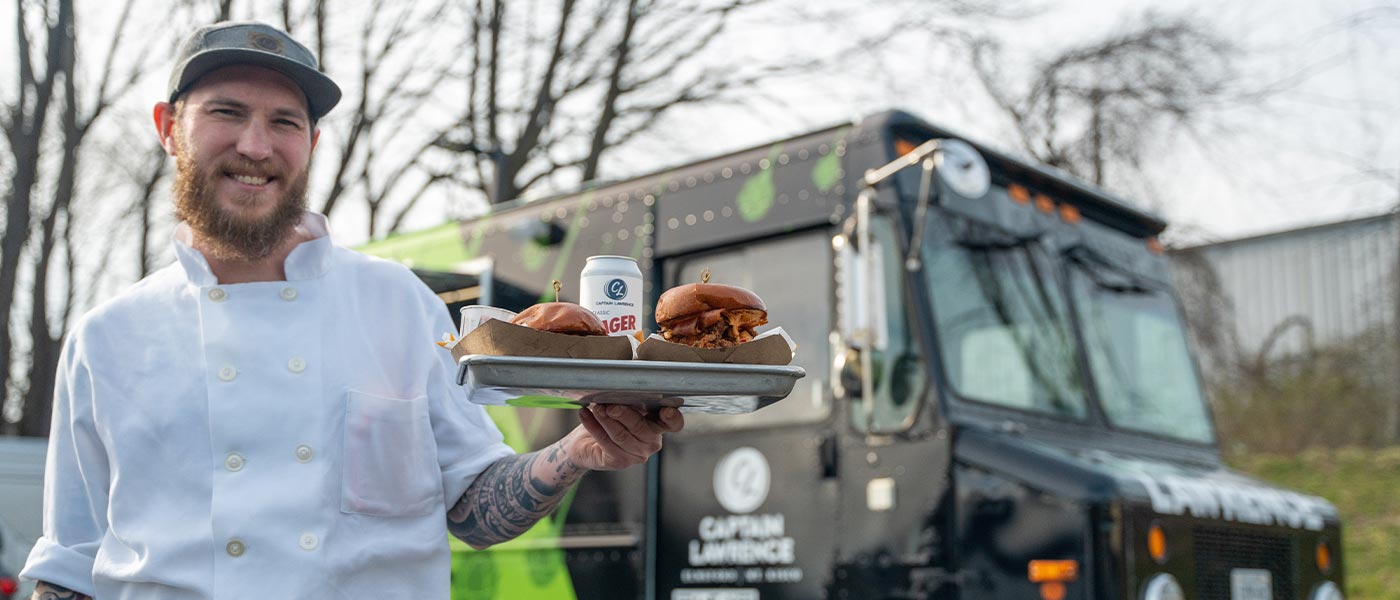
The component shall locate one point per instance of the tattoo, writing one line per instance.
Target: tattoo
(512, 495)
(48, 591)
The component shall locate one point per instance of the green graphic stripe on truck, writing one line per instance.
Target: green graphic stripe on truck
(827, 172)
(441, 248)
(756, 197)
(530, 566)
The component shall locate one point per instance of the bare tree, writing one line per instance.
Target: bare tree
(1209, 312)
(542, 91)
(24, 124)
(1101, 104)
(143, 206)
(398, 74)
(599, 75)
(44, 187)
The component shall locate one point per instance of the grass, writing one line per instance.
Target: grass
(1365, 487)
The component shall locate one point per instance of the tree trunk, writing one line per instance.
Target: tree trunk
(145, 204)
(605, 120)
(1096, 130)
(540, 113)
(321, 33)
(1392, 416)
(38, 402)
(25, 132)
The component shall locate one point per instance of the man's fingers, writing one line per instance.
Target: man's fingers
(629, 428)
(640, 423)
(670, 420)
(603, 438)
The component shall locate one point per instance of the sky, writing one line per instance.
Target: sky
(1326, 149)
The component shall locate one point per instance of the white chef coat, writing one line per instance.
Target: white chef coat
(281, 439)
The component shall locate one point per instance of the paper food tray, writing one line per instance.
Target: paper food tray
(570, 383)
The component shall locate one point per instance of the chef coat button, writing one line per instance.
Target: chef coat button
(228, 372)
(235, 548)
(218, 295)
(296, 365)
(289, 293)
(304, 453)
(309, 542)
(234, 462)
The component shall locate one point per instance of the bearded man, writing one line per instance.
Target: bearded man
(268, 416)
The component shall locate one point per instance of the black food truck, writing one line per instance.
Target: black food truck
(1000, 400)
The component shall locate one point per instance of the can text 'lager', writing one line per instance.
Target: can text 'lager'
(611, 287)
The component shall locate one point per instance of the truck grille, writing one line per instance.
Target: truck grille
(1218, 550)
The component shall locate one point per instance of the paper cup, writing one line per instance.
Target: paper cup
(474, 314)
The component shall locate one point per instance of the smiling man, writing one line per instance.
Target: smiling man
(268, 417)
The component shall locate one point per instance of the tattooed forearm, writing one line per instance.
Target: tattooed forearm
(512, 495)
(49, 591)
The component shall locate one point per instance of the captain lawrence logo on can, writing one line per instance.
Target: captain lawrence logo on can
(611, 287)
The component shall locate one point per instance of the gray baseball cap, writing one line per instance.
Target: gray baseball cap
(251, 43)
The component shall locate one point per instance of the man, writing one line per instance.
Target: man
(269, 416)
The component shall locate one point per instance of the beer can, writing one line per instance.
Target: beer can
(611, 287)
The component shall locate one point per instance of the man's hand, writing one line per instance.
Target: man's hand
(615, 437)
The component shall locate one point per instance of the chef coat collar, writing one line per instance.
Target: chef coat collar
(309, 260)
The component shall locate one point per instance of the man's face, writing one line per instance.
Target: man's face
(242, 144)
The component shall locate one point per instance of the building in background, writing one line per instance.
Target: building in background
(1305, 303)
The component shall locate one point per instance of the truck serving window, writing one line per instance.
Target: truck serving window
(1138, 354)
(1003, 326)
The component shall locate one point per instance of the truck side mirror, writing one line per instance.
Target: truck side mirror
(862, 330)
(860, 293)
(845, 368)
(875, 360)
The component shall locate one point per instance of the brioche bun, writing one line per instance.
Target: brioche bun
(694, 298)
(560, 317)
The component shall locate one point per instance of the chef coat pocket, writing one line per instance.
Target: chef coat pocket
(390, 467)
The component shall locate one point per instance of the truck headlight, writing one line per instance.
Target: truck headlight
(1327, 591)
(1163, 586)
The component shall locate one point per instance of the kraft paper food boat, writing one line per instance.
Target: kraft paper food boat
(773, 347)
(572, 382)
(499, 338)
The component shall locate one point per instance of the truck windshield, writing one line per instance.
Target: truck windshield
(1003, 326)
(1138, 354)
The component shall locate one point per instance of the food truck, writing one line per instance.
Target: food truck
(1000, 398)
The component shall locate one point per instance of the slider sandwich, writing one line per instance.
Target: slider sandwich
(709, 315)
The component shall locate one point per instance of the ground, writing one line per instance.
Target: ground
(1362, 483)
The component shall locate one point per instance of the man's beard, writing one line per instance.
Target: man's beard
(226, 236)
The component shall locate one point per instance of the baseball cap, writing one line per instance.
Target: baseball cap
(251, 43)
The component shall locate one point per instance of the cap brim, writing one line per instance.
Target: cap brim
(322, 94)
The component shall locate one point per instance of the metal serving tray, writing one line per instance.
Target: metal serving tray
(571, 383)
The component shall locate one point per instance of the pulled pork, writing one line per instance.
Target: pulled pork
(718, 328)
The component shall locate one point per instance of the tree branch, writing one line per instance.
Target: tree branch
(609, 111)
(543, 105)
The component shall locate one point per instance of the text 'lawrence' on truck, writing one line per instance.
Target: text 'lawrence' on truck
(1000, 398)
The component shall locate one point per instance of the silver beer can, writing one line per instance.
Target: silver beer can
(611, 287)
